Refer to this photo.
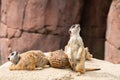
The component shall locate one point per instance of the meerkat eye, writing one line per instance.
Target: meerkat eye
(12, 54)
(73, 26)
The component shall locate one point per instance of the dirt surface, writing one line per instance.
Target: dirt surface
(108, 71)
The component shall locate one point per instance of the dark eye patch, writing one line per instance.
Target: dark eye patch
(73, 26)
(12, 54)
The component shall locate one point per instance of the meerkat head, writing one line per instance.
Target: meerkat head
(75, 29)
(14, 57)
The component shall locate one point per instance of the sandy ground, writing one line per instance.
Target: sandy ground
(108, 71)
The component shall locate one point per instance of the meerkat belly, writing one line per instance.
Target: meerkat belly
(74, 47)
(74, 51)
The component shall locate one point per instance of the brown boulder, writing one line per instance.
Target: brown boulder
(15, 13)
(113, 33)
(10, 32)
(4, 11)
(34, 14)
(113, 29)
(4, 49)
(112, 54)
(29, 41)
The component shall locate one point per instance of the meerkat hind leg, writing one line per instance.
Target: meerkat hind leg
(78, 74)
(81, 64)
(30, 67)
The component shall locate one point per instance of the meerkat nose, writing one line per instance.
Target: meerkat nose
(8, 59)
(69, 32)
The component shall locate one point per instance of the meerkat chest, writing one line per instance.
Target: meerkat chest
(74, 44)
(75, 41)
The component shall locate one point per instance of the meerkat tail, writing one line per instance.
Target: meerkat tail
(92, 69)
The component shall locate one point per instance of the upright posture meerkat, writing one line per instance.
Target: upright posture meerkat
(29, 60)
(75, 50)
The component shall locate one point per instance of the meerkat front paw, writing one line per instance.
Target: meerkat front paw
(12, 67)
(78, 74)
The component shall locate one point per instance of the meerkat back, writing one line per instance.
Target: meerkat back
(59, 59)
(40, 59)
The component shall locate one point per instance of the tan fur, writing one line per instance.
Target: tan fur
(88, 55)
(75, 50)
(30, 60)
(58, 59)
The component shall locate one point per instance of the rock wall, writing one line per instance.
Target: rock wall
(44, 24)
(112, 52)
(36, 24)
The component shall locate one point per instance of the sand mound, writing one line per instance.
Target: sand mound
(108, 71)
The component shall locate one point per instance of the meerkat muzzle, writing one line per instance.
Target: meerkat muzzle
(8, 59)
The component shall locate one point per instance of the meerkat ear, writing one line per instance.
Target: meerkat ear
(17, 53)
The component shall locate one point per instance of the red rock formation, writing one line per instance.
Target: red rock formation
(112, 52)
(36, 24)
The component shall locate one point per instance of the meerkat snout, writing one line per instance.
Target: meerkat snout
(8, 59)
(69, 32)
(74, 29)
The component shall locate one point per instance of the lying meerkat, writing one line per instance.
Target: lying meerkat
(76, 52)
(29, 60)
(58, 59)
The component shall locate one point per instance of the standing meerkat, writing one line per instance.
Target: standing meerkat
(29, 60)
(75, 50)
